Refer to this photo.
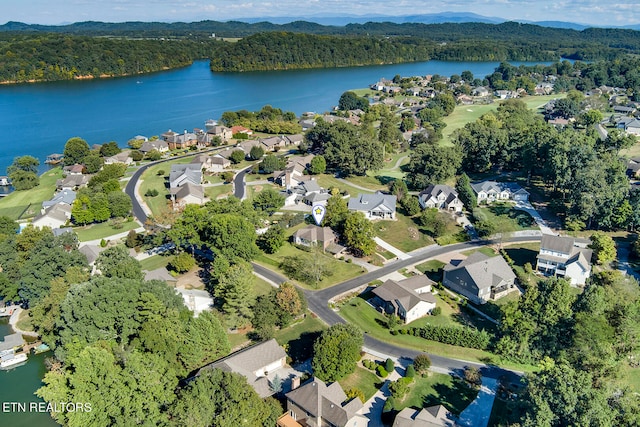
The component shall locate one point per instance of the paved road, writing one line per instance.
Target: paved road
(239, 184)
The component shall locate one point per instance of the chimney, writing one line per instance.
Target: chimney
(295, 383)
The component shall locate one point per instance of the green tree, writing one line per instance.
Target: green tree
(182, 262)
(232, 236)
(268, 201)
(398, 188)
(604, 248)
(22, 180)
(75, 151)
(93, 163)
(205, 341)
(256, 152)
(272, 163)
(308, 268)
(411, 205)
(109, 149)
(465, 193)
(235, 290)
(117, 263)
(24, 163)
(432, 164)
(422, 363)
(336, 352)
(272, 239)
(290, 300)
(359, 233)
(8, 227)
(318, 165)
(335, 212)
(350, 101)
(236, 156)
(119, 204)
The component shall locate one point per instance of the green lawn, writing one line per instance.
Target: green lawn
(24, 321)
(261, 287)
(505, 218)
(103, 230)
(364, 380)
(156, 261)
(485, 250)
(252, 190)
(151, 180)
(438, 389)
(341, 270)
(299, 337)
(403, 233)
(358, 312)
(432, 268)
(219, 191)
(27, 203)
(329, 181)
(237, 340)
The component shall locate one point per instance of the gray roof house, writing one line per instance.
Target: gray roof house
(480, 278)
(257, 363)
(65, 196)
(317, 403)
(312, 235)
(490, 191)
(187, 194)
(183, 173)
(158, 145)
(440, 197)
(409, 299)
(567, 257)
(374, 206)
(433, 416)
(54, 216)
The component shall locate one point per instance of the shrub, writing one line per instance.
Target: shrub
(227, 176)
(103, 243)
(389, 404)
(354, 392)
(422, 363)
(455, 335)
(436, 311)
(160, 172)
(382, 373)
(182, 262)
(411, 372)
(472, 376)
(152, 192)
(389, 365)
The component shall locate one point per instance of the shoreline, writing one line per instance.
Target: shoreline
(13, 322)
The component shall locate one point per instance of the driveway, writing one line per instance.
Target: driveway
(478, 412)
(526, 206)
(397, 252)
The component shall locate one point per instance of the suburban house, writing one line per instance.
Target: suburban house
(91, 252)
(317, 404)
(273, 143)
(223, 132)
(441, 197)
(565, 256)
(161, 274)
(633, 127)
(479, 277)
(633, 167)
(187, 194)
(76, 169)
(258, 364)
(292, 176)
(182, 173)
(72, 182)
(65, 196)
(312, 235)
(308, 192)
(409, 299)
(122, 157)
(247, 145)
(490, 191)
(158, 145)
(54, 216)
(374, 206)
(212, 163)
(241, 129)
(179, 140)
(432, 416)
(295, 139)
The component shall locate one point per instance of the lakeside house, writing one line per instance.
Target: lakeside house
(54, 216)
(180, 174)
(568, 257)
(65, 196)
(187, 194)
(158, 145)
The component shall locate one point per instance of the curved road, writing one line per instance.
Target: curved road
(239, 184)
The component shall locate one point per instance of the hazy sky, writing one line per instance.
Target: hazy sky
(596, 12)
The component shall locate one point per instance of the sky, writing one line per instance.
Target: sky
(54, 12)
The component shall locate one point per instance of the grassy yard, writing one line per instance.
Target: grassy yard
(156, 261)
(358, 312)
(299, 337)
(403, 233)
(103, 230)
(438, 389)
(330, 181)
(341, 270)
(252, 190)
(26, 204)
(432, 268)
(505, 218)
(24, 321)
(219, 191)
(362, 379)
(154, 178)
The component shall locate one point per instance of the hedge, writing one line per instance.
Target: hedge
(454, 335)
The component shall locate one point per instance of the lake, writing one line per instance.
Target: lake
(38, 119)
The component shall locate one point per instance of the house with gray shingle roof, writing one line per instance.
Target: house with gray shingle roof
(54, 216)
(182, 173)
(374, 206)
(479, 277)
(432, 416)
(440, 197)
(187, 194)
(409, 299)
(317, 403)
(65, 196)
(567, 257)
(490, 191)
(312, 235)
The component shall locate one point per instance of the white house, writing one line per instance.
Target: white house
(188, 194)
(440, 197)
(491, 191)
(374, 206)
(182, 173)
(567, 257)
(54, 216)
(409, 299)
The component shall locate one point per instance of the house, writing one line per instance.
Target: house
(54, 216)
(316, 403)
(72, 182)
(65, 196)
(76, 169)
(479, 277)
(441, 197)
(179, 140)
(211, 163)
(633, 167)
(223, 132)
(490, 191)
(374, 206)
(273, 143)
(161, 274)
(187, 194)
(91, 252)
(312, 235)
(464, 99)
(432, 416)
(241, 129)
(247, 145)
(568, 257)
(158, 145)
(309, 192)
(291, 177)
(258, 364)
(633, 127)
(122, 157)
(180, 174)
(409, 299)
(295, 139)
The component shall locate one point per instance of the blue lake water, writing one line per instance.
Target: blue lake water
(38, 119)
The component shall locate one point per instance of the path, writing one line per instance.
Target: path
(478, 412)
(400, 160)
(372, 408)
(528, 208)
(359, 187)
(13, 321)
(397, 252)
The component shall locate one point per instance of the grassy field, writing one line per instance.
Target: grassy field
(505, 218)
(329, 181)
(438, 389)
(27, 204)
(156, 261)
(252, 190)
(299, 337)
(103, 230)
(362, 379)
(464, 114)
(358, 312)
(219, 191)
(152, 180)
(24, 321)
(403, 233)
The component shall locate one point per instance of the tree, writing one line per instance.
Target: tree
(75, 150)
(336, 352)
(154, 155)
(411, 205)
(182, 262)
(119, 204)
(235, 291)
(432, 164)
(8, 227)
(359, 233)
(272, 163)
(350, 101)
(604, 248)
(236, 156)
(336, 211)
(272, 239)
(227, 176)
(422, 363)
(465, 193)
(117, 263)
(309, 268)
(93, 163)
(232, 236)
(268, 201)
(256, 152)
(109, 149)
(205, 341)
(22, 180)
(290, 300)
(350, 150)
(24, 163)
(318, 165)
(398, 188)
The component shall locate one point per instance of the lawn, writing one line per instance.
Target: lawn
(438, 389)
(523, 253)
(218, 191)
(26, 204)
(330, 181)
(341, 270)
(152, 180)
(464, 114)
(261, 287)
(252, 190)
(24, 321)
(364, 380)
(361, 314)
(490, 252)
(299, 337)
(504, 217)
(156, 261)
(403, 233)
(432, 268)
(103, 230)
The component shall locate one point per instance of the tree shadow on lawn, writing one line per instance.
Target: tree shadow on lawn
(521, 256)
(384, 180)
(301, 348)
(455, 396)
